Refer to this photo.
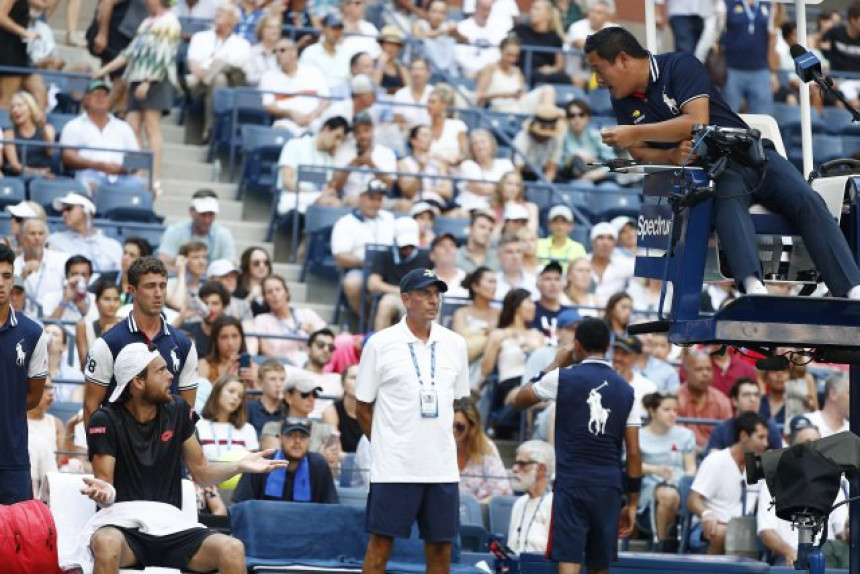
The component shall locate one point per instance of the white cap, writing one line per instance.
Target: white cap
(560, 211)
(406, 232)
(603, 228)
(133, 359)
(516, 211)
(205, 204)
(22, 210)
(221, 267)
(362, 84)
(73, 198)
(619, 222)
(422, 207)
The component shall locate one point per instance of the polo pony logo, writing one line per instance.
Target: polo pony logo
(598, 415)
(22, 356)
(175, 359)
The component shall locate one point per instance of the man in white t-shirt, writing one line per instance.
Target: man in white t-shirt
(352, 232)
(414, 96)
(359, 34)
(596, 19)
(719, 491)
(503, 13)
(833, 416)
(778, 535)
(291, 90)
(625, 353)
(611, 272)
(309, 150)
(374, 160)
(408, 378)
(480, 40)
(512, 275)
(531, 514)
(328, 55)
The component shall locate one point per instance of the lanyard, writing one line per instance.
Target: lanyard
(523, 540)
(432, 364)
(751, 14)
(217, 441)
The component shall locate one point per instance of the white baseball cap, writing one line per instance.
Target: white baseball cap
(423, 207)
(130, 361)
(406, 232)
(603, 228)
(205, 204)
(560, 211)
(515, 211)
(73, 198)
(221, 267)
(22, 210)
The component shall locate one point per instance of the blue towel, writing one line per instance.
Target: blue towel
(301, 483)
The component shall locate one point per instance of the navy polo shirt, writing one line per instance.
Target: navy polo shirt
(746, 38)
(174, 345)
(676, 79)
(23, 356)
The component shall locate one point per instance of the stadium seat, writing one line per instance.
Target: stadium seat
(835, 119)
(609, 201)
(222, 115)
(45, 191)
(474, 538)
(601, 103)
(470, 510)
(500, 513)
(449, 307)
(318, 225)
(12, 191)
(65, 410)
(825, 148)
(119, 203)
(262, 148)
(59, 121)
(457, 226)
(366, 318)
(352, 495)
(565, 93)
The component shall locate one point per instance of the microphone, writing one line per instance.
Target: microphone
(806, 65)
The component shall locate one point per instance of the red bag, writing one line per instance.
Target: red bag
(28, 539)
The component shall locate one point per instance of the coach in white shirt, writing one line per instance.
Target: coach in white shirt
(408, 378)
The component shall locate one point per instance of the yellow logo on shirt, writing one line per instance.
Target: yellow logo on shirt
(636, 114)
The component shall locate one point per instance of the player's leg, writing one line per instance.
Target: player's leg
(111, 551)
(219, 552)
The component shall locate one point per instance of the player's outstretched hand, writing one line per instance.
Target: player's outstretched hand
(100, 491)
(257, 462)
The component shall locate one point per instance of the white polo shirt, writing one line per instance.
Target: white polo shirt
(351, 233)
(412, 115)
(356, 182)
(306, 83)
(117, 134)
(335, 67)
(50, 276)
(405, 446)
(362, 41)
(722, 484)
(206, 46)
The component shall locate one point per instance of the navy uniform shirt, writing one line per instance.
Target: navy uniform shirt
(746, 38)
(23, 356)
(594, 408)
(676, 79)
(174, 345)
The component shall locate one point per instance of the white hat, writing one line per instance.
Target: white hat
(221, 267)
(560, 211)
(205, 204)
(133, 359)
(619, 222)
(423, 207)
(603, 228)
(22, 210)
(516, 211)
(362, 84)
(73, 198)
(406, 232)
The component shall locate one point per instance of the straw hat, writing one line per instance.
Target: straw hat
(391, 34)
(547, 122)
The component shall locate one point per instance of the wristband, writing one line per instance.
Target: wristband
(111, 497)
(634, 484)
(705, 513)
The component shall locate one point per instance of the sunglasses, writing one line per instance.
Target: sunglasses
(67, 208)
(576, 115)
(322, 345)
(459, 427)
(259, 262)
(309, 393)
(523, 463)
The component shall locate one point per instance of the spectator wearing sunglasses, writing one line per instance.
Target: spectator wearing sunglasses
(582, 145)
(482, 472)
(320, 349)
(300, 395)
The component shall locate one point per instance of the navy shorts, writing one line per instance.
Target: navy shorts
(585, 526)
(392, 508)
(15, 485)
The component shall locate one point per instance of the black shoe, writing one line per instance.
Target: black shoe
(668, 546)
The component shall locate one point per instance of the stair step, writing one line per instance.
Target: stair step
(289, 271)
(172, 133)
(186, 169)
(179, 151)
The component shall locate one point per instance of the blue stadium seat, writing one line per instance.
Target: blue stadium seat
(610, 201)
(352, 495)
(577, 195)
(456, 226)
(12, 191)
(222, 115)
(119, 203)
(565, 93)
(506, 125)
(318, 225)
(262, 147)
(449, 307)
(835, 119)
(601, 103)
(470, 510)
(474, 538)
(59, 121)
(500, 513)
(826, 147)
(4, 119)
(149, 232)
(45, 191)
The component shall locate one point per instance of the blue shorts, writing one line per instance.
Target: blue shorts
(392, 508)
(15, 485)
(585, 526)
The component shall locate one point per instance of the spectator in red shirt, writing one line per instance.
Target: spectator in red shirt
(699, 399)
(728, 367)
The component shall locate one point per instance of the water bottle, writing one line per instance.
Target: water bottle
(216, 170)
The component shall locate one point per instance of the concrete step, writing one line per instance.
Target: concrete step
(186, 168)
(176, 151)
(289, 271)
(57, 21)
(172, 133)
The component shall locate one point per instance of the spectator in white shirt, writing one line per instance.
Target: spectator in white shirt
(352, 232)
(98, 128)
(73, 302)
(80, 236)
(531, 514)
(328, 55)
(42, 269)
(479, 40)
(512, 274)
(263, 57)
(290, 90)
(363, 97)
(438, 35)
(598, 15)
(719, 490)
(374, 160)
(833, 416)
(309, 150)
(610, 272)
(625, 353)
(414, 96)
(359, 34)
(216, 59)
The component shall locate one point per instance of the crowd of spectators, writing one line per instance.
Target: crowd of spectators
(392, 112)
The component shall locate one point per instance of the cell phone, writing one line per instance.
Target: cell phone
(244, 361)
(331, 440)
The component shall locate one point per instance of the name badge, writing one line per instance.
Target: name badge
(429, 403)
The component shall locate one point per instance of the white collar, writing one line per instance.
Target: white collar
(410, 336)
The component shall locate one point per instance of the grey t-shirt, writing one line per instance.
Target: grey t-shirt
(667, 450)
